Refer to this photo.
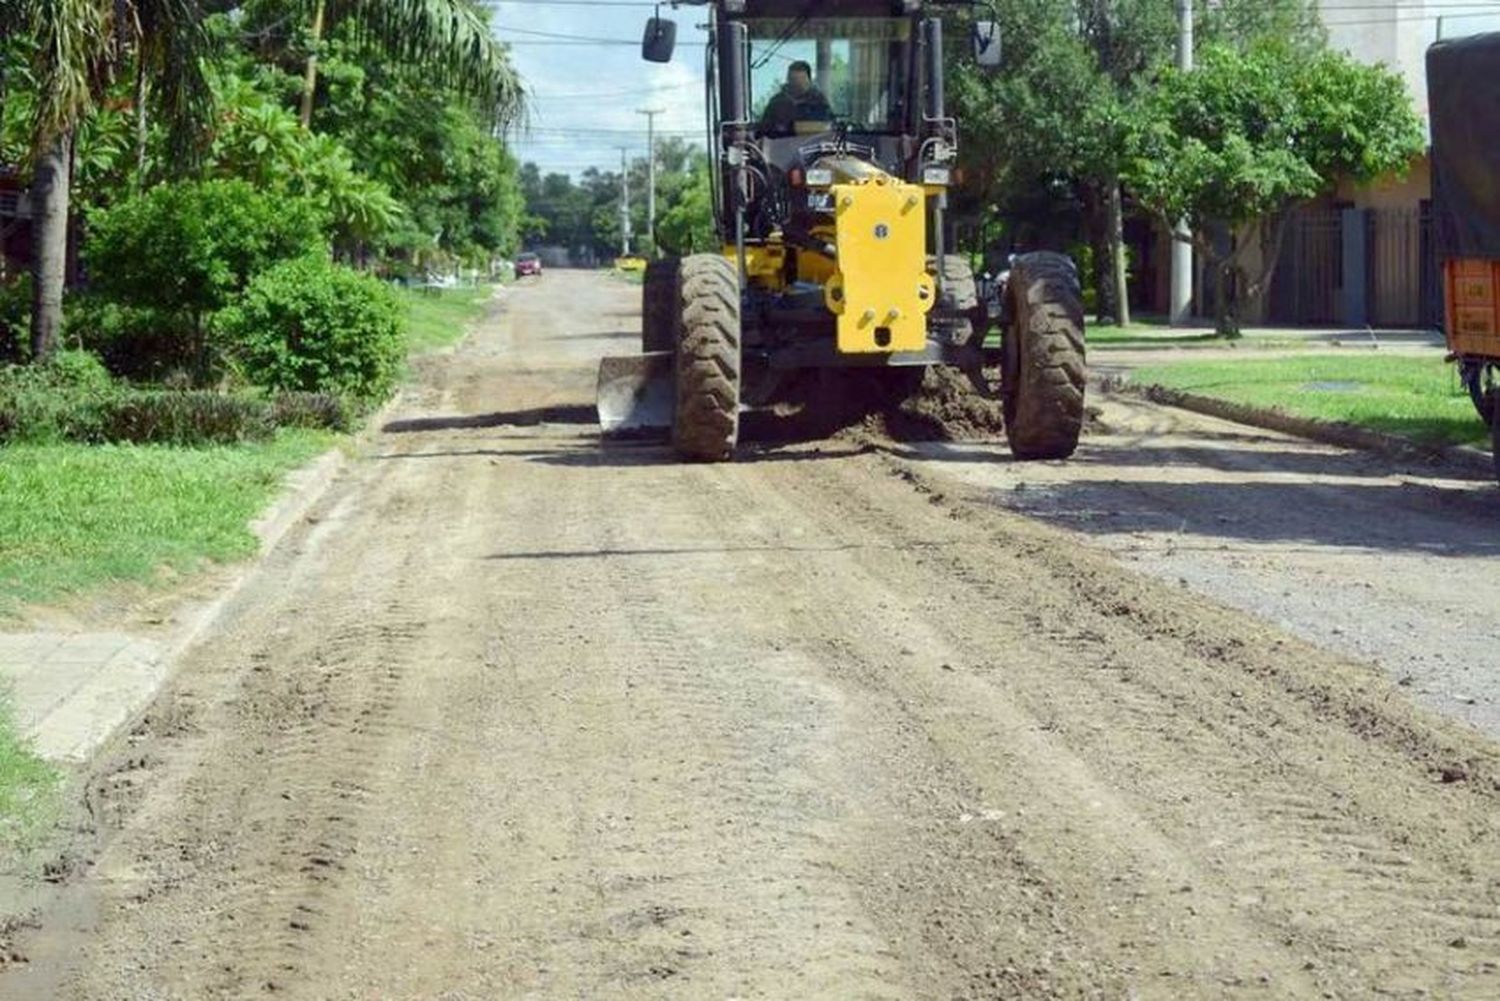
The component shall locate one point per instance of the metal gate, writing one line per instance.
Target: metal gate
(1306, 286)
(1393, 267)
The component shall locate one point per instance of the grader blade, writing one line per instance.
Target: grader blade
(635, 393)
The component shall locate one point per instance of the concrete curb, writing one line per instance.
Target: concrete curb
(71, 693)
(1341, 435)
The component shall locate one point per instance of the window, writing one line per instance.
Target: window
(858, 71)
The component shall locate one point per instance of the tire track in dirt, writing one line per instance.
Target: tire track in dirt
(255, 813)
(527, 717)
(1318, 830)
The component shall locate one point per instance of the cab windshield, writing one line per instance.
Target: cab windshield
(807, 73)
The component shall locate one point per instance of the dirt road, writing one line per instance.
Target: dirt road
(521, 716)
(1395, 562)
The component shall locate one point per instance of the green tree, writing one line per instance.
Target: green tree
(1046, 140)
(450, 40)
(1248, 135)
(260, 142)
(180, 252)
(77, 49)
(687, 224)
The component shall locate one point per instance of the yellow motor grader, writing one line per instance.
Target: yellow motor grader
(833, 157)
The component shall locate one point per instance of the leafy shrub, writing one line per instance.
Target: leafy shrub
(311, 410)
(170, 258)
(134, 343)
(72, 398)
(316, 327)
(77, 370)
(15, 319)
(194, 417)
(64, 398)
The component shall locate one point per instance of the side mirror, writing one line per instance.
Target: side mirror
(659, 41)
(986, 39)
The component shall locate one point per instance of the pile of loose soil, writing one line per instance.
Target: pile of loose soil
(946, 407)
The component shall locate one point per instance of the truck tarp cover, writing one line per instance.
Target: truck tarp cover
(1463, 96)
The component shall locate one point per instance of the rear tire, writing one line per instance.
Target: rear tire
(960, 295)
(1482, 380)
(706, 424)
(659, 308)
(1043, 368)
(1495, 441)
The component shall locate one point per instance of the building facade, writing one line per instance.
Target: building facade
(1364, 255)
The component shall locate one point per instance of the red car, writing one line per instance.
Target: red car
(528, 264)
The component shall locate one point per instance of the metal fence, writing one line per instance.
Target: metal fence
(1306, 286)
(1401, 283)
(1388, 253)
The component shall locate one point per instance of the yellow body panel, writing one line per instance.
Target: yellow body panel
(765, 264)
(881, 292)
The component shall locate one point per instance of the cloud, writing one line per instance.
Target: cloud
(585, 97)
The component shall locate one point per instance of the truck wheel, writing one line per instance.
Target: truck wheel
(1495, 441)
(706, 424)
(659, 305)
(1042, 369)
(1482, 380)
(960, 293)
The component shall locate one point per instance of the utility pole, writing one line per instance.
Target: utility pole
(651, 114)
(1182, 251)
(624, 202)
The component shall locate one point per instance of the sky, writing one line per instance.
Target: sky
(584, 95)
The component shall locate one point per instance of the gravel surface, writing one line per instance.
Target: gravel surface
(1397, 565)
(519, 715)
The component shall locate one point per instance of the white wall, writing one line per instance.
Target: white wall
(1398, 32)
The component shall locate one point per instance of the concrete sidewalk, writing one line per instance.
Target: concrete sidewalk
(70, 692)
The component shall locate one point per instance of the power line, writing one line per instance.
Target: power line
(563, 36)
(620, 93)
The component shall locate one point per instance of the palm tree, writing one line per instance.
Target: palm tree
(451, 37)
(81, 46)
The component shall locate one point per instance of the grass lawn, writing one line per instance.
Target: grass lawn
(1419, 397)
(78, 516)
(26, 787)
(437, 318)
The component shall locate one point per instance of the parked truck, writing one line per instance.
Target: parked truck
(1463, 87)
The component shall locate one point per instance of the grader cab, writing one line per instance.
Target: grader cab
(834, 154)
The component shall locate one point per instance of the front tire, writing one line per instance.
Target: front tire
(1043, 364)
(706, 424)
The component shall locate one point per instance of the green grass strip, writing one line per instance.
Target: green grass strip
(79, 516)
(27, 785)
(1416, 396)
(438, 318)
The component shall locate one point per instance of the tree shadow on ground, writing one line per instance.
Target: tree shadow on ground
(1399, 517)
(530, 417)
